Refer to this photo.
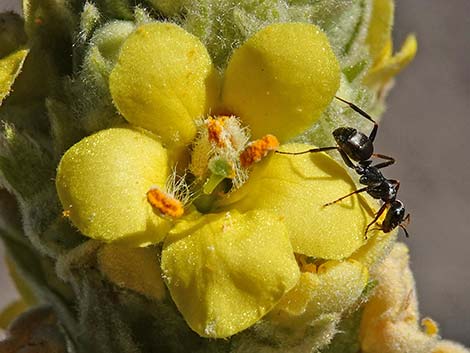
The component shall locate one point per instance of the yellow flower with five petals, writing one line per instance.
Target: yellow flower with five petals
(227, 267)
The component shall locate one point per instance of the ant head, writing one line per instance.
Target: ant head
(395, 216)
(343, 134)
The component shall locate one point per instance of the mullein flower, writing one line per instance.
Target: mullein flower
(229, 267)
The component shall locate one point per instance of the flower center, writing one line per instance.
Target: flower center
(221, 157)
(223, 151)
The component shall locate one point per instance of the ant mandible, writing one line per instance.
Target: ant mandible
(353, 145)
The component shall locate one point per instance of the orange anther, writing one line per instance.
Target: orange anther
(66, 213)
(257, 150)
(38, 21)
(215, 127)
(165, 203)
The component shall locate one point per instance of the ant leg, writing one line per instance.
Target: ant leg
(345, 157)
(347, 160)
(373, 133)
(377, 216)
(389, 160)
(313, 150)
(396, 183)
(364, 114)
(346, 196)
(407, 220)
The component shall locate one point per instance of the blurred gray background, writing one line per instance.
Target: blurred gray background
(427, 129)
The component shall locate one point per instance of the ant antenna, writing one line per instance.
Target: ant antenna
(356, 109)
(364, 114)
(404, 229)
(405, 223)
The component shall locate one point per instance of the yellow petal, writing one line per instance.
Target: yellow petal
(296, 189)
(225, 271)
(384, 72)
(376, 249)
(137, 269)
(163, 81)
(380, 27)
(385, 54)
(333, 289)
(281, 79)
(10, 67)
(102, 183)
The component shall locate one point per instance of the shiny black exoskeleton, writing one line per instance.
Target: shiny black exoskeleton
(395, 217)
(355, 146)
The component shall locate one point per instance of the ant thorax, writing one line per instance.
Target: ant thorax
(370, 176)
(354, 143)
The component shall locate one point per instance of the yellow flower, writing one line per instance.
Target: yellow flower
(228, 267)
(379, 38)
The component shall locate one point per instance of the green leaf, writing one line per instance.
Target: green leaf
(25, 167)
(116, 9)
(63, 124)
(90, 97)
(89, 19)
(225, 25)
(49, 25)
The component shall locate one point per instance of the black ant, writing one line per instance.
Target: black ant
(354, 145)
